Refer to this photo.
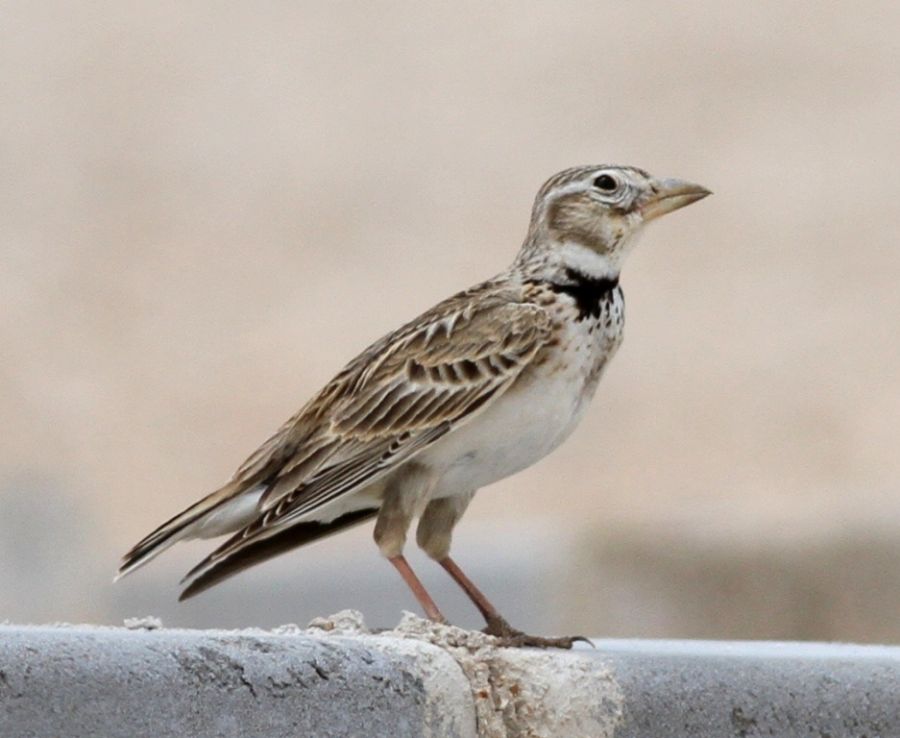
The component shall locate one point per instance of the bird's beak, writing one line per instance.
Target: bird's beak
(671, 194)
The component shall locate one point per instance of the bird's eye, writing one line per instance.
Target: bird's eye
(606, 183)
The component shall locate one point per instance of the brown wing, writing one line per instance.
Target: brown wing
(395, 400)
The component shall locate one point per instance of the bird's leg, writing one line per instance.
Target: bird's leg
(433, 536)
(487, 610)
(398, 504)
(421, 594)
(496, 623)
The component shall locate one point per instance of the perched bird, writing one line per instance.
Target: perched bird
(477, 388)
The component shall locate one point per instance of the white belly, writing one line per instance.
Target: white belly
(525, 424)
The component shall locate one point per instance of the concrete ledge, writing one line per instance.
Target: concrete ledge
(108, 682)
(337, 680)
(742, 689)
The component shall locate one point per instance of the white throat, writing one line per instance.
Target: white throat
(580, 258)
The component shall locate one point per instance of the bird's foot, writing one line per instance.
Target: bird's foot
(509, 637)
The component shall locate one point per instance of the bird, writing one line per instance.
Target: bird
(477, 388)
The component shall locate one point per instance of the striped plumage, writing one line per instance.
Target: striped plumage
(478, 387)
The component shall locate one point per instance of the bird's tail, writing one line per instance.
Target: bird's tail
(211, 571)
(224, 511)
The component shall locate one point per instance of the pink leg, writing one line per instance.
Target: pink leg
(496, 623)
(487, 610)
(421, 594)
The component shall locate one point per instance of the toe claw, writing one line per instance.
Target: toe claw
(510, 637)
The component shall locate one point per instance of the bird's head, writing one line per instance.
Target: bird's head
(588, 218)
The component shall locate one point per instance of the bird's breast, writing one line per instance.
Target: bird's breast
(542, 408)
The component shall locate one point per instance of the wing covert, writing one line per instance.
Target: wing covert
(389, 404)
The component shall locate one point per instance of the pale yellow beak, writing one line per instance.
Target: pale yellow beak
(670, 195)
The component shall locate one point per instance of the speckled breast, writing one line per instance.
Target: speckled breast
(542, 408)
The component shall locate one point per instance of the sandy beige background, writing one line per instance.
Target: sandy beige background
(208, 207)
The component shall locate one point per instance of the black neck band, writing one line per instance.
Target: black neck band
(588, 292)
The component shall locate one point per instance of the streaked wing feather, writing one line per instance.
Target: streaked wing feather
(437, 374)
(389, 404)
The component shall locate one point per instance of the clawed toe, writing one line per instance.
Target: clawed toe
(524, 640)
(510, 637)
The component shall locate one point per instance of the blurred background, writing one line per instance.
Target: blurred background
(208, 207)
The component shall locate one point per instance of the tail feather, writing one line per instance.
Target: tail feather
(209, 572)
(176, 529)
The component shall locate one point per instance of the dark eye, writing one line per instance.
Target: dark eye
(606, 183)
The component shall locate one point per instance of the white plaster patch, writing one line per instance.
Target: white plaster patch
(345, 622)
(147, 622)
(523, 693)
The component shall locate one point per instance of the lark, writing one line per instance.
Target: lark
(477, 388)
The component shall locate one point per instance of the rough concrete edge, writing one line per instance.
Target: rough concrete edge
(486, 691)
(524, 693)
(513, 693)
(472, 687)
(447, 707)
(533, 694)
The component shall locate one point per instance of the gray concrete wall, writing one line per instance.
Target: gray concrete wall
(338, 680)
